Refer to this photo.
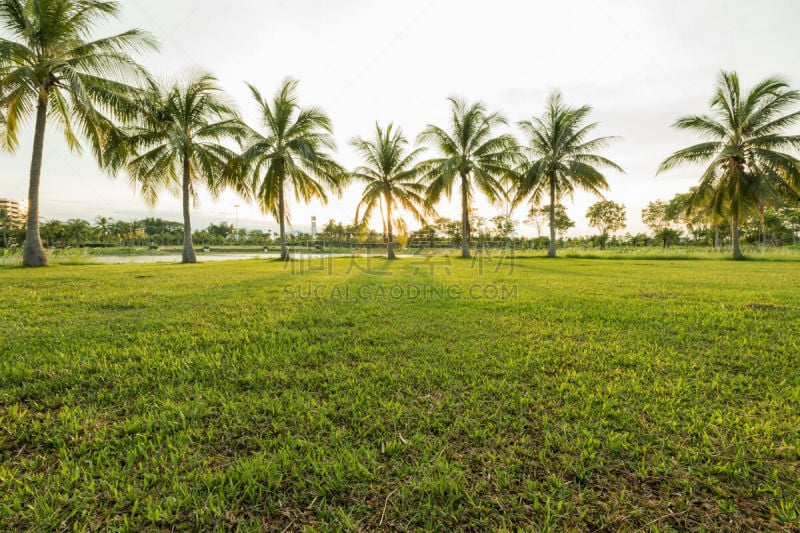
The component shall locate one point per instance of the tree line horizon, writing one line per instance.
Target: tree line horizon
(176, 137)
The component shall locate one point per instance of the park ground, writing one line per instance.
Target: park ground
(430, 393)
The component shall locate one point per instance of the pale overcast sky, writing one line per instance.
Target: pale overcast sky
(639, 64)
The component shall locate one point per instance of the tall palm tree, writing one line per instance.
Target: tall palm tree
(51, 67)
(289, 152)
(748, 166)
(560, 158)
(472, 157)
(391, 180)
(178, 145)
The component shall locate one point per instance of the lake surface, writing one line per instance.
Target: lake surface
(207, 258)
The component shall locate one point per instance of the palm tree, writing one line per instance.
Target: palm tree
(51, 67)
(53, 231)
(103, 226)
(77, 230)
(121, 230)
(391, 181)
(748, 167)
(471, 156)
(290, 152)
(178, 146)
(560, 158)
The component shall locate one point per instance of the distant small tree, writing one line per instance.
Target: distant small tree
(608, 217)
(654, 215)
(538, 215)
(791, 217)
(5, 224)
(223, 229)
(503, 226)
(667, 236)
(562, 221)
(450, 227)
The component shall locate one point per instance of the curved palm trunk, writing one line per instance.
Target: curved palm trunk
(389, 240)
(737, 252)
(552, 251)
(282, 217)
(188, 247)
(33, 254)
(464, 218)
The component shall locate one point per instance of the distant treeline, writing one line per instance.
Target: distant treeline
(667, 220)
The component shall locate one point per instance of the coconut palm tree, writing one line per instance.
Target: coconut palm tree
(472, 157)
(391, 180)
(178, 145)
(746, 151)
(77, 230)
(120, 230)
(560, 158)
(103, 226)
(51, 69)
(53, 232)
(289, 152)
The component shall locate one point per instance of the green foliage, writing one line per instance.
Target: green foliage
(473, 157)
(50, 69)
(607, 216)
(560, 158)
(49, 58)
(391, 182)
(289, 152)
(748, 154)
(179, 145)
(655, 217)
(667, 236)
(264, 395)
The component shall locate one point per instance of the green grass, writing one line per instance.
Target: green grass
(425, 394)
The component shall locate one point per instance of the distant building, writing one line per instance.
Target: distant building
(15, 210)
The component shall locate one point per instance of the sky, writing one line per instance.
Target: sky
(639, 64)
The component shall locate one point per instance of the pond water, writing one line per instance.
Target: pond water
(203, 257)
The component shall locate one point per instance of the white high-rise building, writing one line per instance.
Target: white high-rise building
(15, 209)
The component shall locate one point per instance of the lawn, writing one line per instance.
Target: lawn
(424, 394)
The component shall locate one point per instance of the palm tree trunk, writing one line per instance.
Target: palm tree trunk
(464, 218)
(717, 243)
(552, 251)
(33, 254)
(737, 253)
(188, 247)
(282, 222)
(389, 240)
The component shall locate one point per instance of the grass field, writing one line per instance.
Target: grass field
(433, 393)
